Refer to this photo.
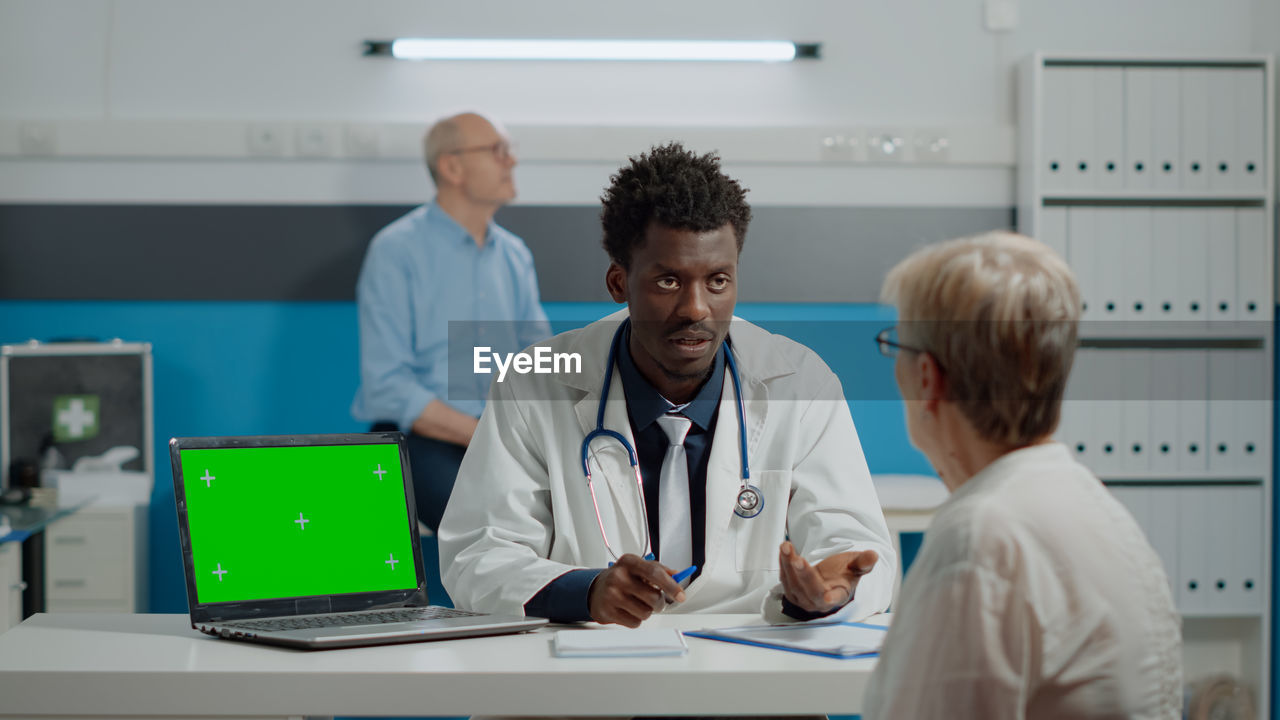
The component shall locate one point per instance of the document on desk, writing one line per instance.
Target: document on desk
(828, 639)
(643, 642)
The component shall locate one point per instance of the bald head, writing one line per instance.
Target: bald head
(453, 133)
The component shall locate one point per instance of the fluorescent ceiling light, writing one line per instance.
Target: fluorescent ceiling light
(642, 50)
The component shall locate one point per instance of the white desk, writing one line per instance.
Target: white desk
(156, 665)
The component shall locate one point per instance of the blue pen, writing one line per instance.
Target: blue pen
(678, 577)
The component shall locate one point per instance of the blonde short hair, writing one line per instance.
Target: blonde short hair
(999, 313)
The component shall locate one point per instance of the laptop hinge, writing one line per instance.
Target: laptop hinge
(313, 606)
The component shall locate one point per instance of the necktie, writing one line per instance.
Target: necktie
(675, 530)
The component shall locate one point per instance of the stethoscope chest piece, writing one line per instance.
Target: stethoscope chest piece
(750, 502)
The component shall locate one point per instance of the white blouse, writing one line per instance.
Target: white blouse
(1035, 595)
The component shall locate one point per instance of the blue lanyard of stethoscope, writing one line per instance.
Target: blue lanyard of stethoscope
(749, 503)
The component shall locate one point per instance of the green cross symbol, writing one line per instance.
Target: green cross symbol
(75, 417)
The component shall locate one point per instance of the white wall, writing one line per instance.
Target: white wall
(906, 64)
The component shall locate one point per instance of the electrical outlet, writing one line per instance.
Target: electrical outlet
(312, 141)
(886, 146)
(37, 138)
(838, 148)
(362, 141)
(266, 139)
(1001, 15)
(932, 148)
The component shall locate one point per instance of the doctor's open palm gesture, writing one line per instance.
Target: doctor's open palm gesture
(826, 586)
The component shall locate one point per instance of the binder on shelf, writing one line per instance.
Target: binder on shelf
(1162, 533)
(1253, 256)
(1192, 389)
(1081, 128)
(1244, 589)
(1195, 128)
(1082, 256)
(1223, 450)
(1193, 549)
(1166, 128)
(1053, 229)
(1193, 259)
(1222, 156)
(1077, 411)
(1165, 299)
(1134, 372)
(1136, 264)
(1164, 412)
(1253, 422)
(1251, 140)
(1137, 128)
(1056, 121)
(1108, 107)
(1222, 263)
(1109, 240)
(1106, 392)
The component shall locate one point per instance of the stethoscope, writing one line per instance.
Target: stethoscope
(750, 501)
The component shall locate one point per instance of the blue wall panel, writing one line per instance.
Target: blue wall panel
(244, 368)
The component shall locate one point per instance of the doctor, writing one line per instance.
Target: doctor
(726, 452)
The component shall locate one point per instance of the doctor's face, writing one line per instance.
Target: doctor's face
(681, 290)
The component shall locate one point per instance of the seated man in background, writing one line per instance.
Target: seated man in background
(1036, 594)
(697, 398)
(444, 261)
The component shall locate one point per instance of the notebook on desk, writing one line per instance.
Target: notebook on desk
(309, 541)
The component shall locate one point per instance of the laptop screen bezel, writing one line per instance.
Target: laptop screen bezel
(307, 605)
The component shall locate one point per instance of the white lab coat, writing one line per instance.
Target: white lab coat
(521, 513)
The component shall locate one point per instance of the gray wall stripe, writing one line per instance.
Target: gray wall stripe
(310, 252)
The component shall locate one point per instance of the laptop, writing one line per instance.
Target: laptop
(309, 541)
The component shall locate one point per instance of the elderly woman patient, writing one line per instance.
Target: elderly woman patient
(1035, 594)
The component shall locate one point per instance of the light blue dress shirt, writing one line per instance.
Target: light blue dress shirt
(427, 297)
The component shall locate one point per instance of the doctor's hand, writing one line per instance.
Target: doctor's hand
(630, 591)
(826, 586)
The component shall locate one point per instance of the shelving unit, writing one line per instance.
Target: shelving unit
(1152, 177)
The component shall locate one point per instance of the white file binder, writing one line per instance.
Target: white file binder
(1137, 128)
(1055, 116)
(1081, 128)
(1053, 229)
(1254, 405)
(1222, 167)
(1193, 258)
(1253, 256)
(1193, 386)
(1251, 156)
(1195, 129)
(1162, 533)
(1165, 406)
(1082, 256)
(1223, 450)
(1134, 372)
(1222, 264)
(1109, 242)
(1106, 390)
(1136, 264)
(1165, 234)
(1166, 128)
(1077, 411)
(1193, 549)
(1244, 590)
(1108, 108)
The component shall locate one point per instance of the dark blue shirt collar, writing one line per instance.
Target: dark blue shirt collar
(645, 404)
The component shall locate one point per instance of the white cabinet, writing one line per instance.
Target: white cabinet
(11, 585)
(1149, 175)
(96, 561)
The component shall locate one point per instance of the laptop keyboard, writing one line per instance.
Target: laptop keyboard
(373, 617)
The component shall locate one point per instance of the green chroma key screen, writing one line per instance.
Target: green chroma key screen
(280, 522)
